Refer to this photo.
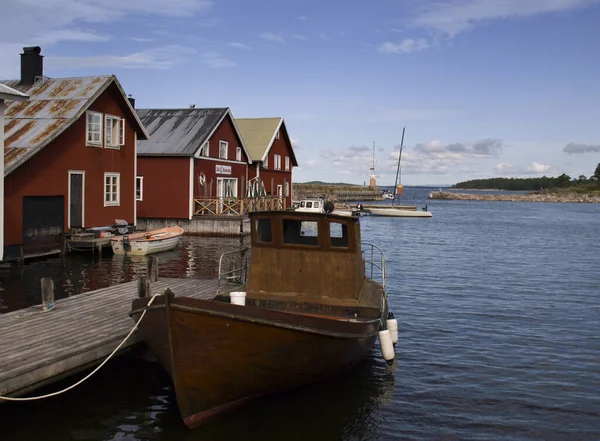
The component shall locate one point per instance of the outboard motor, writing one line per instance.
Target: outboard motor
(126, 244)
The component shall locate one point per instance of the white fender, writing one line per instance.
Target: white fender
(387, 347)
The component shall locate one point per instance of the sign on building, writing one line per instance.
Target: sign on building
(223, 169)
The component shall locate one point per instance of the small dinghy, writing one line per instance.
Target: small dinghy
(148, 242)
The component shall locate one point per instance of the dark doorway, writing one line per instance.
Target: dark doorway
(76, 200)
(43, 224)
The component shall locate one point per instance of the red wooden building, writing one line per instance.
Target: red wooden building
(70, 157)
(191, 153)
(271, 152)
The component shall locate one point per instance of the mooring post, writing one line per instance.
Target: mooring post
(152, 268)
(143, 287)
(47, 294)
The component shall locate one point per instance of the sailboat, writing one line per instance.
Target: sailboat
(398, 211)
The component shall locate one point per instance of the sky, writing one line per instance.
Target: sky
(485, 88)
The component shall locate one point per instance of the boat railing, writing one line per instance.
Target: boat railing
(233, 268)
(374, 259)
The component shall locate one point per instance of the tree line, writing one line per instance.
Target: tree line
(531, 184)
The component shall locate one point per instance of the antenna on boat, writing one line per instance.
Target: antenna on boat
(398, 169)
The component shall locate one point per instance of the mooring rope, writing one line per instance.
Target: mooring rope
(94, 371)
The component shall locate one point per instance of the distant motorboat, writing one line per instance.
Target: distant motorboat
(397, 212)
(148, 242)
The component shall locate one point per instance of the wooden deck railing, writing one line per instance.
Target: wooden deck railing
(237, 207)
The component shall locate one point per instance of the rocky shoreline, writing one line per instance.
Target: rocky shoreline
(531, 197)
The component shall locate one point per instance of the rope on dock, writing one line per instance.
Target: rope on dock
(40, 397)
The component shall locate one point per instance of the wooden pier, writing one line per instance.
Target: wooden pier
(40, 347)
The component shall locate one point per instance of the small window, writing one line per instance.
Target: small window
(277, 162)
(112, 189)
(94, 129)
(308, 204)
(223, 145)
(338, 234)
(277, 135)
(139, 188)
(299, 232)
(238, 153)
(280, 190)
(287, 189)
(204, 149)
(287, 163)
(263, 230)
(113, 133)
(302, 204)
(266, 163)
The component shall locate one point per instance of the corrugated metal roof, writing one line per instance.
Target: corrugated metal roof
(258, 134)
(177, 132)
(8, 93)
(54, 104)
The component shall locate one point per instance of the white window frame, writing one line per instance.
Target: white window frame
(117, 201)
(280, 190)
(287, 163)
(100, 131)
(117, 136)
(221, 145)
(238, 153)
(286, 189)
(139, 183)
(204, 150)
(266, 163)
(277, 135)
(277, 162)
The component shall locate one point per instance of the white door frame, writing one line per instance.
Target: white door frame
(220, 184)
(77, 172)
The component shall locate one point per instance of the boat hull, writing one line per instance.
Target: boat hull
(151, 242)
(393, 212)
(221, 355)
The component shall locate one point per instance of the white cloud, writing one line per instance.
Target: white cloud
(275, 38)
(141, 39)
(451, 17)
(295, 143)
(535, 168)
(406, 46)
(163, 57)
(300, 37)
(311, 163)
(573, 148)
(216, 60)
(55, 36)
(239, 45)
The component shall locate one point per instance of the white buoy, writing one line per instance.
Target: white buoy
(238, 297)
(392, 325)
(387, 347)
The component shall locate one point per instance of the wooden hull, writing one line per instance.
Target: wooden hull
(220, 355)
(394, 212)
(162, 240)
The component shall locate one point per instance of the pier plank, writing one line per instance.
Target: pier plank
(42, 347)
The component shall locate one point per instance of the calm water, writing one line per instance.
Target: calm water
(498, 305)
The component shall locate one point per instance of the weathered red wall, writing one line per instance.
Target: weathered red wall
(166, 187)
(272, 178)
(47, 173)
(225, 132)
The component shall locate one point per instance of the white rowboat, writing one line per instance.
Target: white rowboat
(147, 242)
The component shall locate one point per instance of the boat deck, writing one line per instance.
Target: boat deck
(40, 348)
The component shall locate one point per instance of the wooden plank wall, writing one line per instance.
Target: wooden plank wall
(39, 348)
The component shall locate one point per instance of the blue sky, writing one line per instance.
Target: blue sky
(485, 88)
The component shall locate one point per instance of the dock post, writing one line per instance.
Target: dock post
(47, 294)
(152, 269)
(143, 287)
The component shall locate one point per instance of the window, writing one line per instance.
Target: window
(277, 135)
(114, 132)
(238, 153)
(287, 163)
(204, 149)
(338, 235)
(94, 129)
(139, 188)
(263, 230)
(287, 189)
(277, 162)
(266, 163)
(223, 149)
(280, 190)
(112, 188)
(299, 232)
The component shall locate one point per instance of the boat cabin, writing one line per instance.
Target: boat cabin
(306, 256)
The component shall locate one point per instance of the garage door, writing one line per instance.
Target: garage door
(43, 224)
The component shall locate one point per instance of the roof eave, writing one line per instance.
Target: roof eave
(11, 97)
(268, 149)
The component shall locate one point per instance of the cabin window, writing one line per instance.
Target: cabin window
(112, 189)
(338, 235)
(114, 133)
(94, 129)
(139, 188)
(238, 153)
(300, 232)
(287, 163)
(223, 149)
(263, 230)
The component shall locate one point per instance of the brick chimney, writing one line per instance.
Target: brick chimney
(32, 65)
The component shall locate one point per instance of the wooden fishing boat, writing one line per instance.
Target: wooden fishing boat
(294, 309)
(147, 242)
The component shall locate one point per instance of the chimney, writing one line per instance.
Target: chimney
(131, 100)
(32, 65)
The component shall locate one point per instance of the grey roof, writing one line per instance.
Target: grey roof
(8, 93)
(54, 104)
(177, 132)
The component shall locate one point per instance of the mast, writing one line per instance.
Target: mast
(398, 169)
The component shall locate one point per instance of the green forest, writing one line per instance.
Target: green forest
(563, 181)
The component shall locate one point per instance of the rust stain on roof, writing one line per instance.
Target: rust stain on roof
(92, 86)
(49, 129)
(22, 131)
(11, 153)
(60, 108)
(15, 108)
(42, 87)
(64, 88)
(33, 108)
(10, 124)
